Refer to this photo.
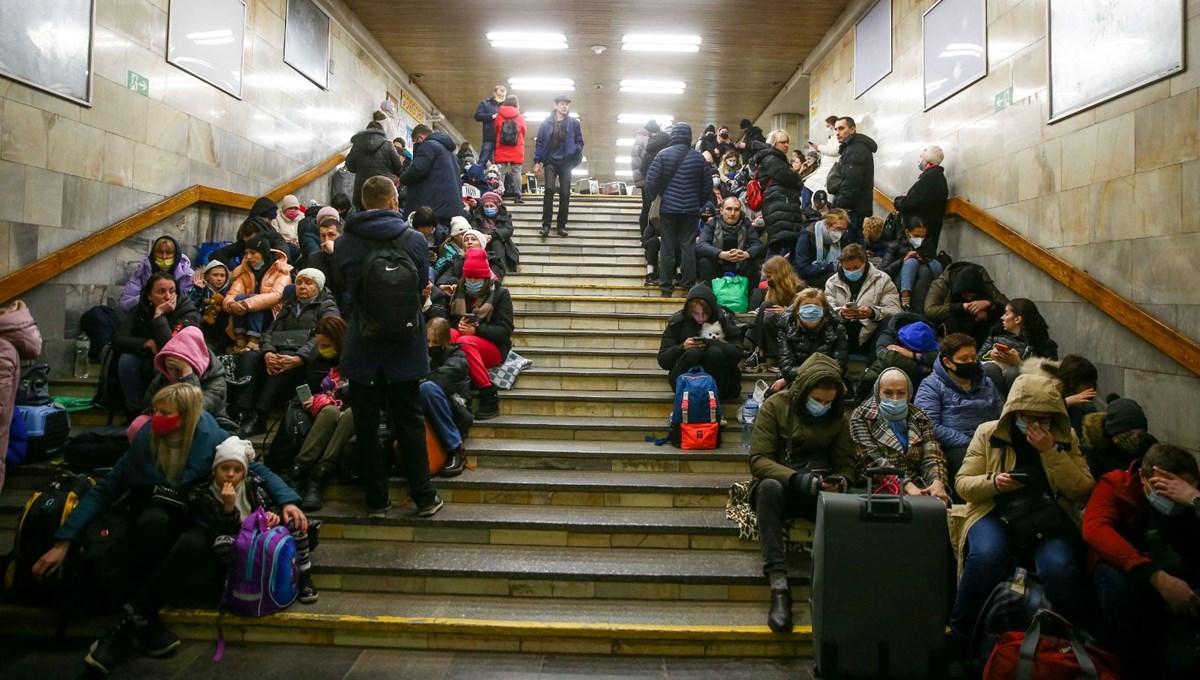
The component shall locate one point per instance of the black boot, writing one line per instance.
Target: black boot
(312, 490)
(780, 618)
(295, 479)
(545, 231)
(489, 403)
(455, 460)
(252, 424)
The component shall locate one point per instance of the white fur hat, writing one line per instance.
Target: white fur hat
(234, 449)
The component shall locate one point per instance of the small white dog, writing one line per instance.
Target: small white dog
(712, 331)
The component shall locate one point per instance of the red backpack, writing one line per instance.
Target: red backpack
(754, 194)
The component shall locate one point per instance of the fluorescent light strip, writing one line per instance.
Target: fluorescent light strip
(531, 41)
(579, 172)
(625, 141)
(654, 86)
(641, 118)
(623, 160)
(551, 84)
(624, 173)
(649, 42)
(542, 115)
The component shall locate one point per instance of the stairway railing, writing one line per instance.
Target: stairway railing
(36, 273)
(1148, 327)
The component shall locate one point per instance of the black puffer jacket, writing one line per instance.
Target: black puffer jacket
(926, 199)
(681, 326)
(448, 368)
(858, 174)
(781, 210)
(798, 342)
(141, 325)
(371, 154)
(292, 331)
(501, 233)
(498, 328)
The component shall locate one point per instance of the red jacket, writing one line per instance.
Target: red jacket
(1116, 514)
(510, 154)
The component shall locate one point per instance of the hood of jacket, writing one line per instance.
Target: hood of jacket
(1034, 393)
(439, 137)
(818, 367)
(888, 371)
(262, 206)
(507, 111)
(18, 327)
(199, 281)
(188, 344)
(859, 138)
(174, 260)
(369, 141)
(681, 133)
(703, 292)
(376, 225)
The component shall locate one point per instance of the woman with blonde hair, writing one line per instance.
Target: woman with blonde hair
(783, 217)
(782, 284)
(808, 327)
(172, 452)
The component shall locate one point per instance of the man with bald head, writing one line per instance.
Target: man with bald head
(926, 199)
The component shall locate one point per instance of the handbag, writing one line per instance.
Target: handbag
(754, 194)
(833, 181)
(34, 388)
(731, 292)
(1029, 520)
(1032, 654)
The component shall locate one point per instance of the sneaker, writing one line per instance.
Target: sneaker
(379, 513)
(153, 639)
(651, 281)
(112, 648)
(561, 231)
(431, 509)
(308, 592)
(544, 232)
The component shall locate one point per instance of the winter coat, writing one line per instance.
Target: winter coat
(876, 444)
(712, 240)
(207, 373)
(926, 199)
(570, 153)
(501, 233)
(496, 329)
(637, 154)
(681, 326)
(505, 153)
(141, 325)
(433, 178)
(371, 154)
(266, 227)
(364, 361)
(815, 181)
(334, 285)
(956, 413)
(265, 294)
(751, 136)
(1103, 454)
(817, 443)
(798, 342)
(940, 303)
(484, 114)
(895, 252)
(209, 511)
(804, 257)
(877, 292)
(781, 197)
(1026, 346)
(292, 332)
(689, 189)
(138, 469)
(20, 340)
(448, 369)
(916, 368)
(654, 146)
(991, 452)
(858, 174)
(181, 269)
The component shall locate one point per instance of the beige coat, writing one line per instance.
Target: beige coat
(877, 292)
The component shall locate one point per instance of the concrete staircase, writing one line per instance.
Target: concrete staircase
(571, 533)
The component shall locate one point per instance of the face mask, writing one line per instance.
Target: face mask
(1023, 425)
(491, 212)
(259, 266)
(921, 165)
(811, 313)
(716, 181)
(473, 287)
(835, 235)
(164, 425)
(1129, 442)
(965, 371)
(291, 214)
(816, 408)
(916, 242)
(894, 409)
(731, 162)
(854, 275)
(328, 352)
(1165, 505)
(163, 264)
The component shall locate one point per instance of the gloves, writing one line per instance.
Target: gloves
(805, 483)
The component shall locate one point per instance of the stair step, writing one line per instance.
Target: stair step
(626, 429)
(651, 306)
(590, 358)
(571, 340)
(603, 268)
(560, 252)
(592, 379)
(590, 320)
(615, 286)
(586, 259)
(559, 454)
(596, 404)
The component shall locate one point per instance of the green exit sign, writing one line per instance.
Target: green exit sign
(1003, 99)
(138, 83)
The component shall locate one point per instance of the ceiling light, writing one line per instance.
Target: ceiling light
(542, 115)
(624, 173)
(579, 172)
(654, 86)
(623, 160)
(625, 141)
(553, 84)
(650, 42)
(641, 118)
(529, 41)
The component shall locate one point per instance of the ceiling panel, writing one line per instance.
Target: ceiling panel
(749, 51)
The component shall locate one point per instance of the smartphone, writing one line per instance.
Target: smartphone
(1002, 347)
(471, 319)
(698, 339)
(304, 393)
(1019, 476)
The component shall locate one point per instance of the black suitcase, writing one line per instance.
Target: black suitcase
(880, 570)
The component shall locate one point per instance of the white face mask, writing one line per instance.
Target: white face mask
(916, 242)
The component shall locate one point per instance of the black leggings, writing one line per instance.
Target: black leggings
(167, 553)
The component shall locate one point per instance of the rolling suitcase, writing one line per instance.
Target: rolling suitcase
(879, 585)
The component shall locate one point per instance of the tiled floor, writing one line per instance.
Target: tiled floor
(28, 659)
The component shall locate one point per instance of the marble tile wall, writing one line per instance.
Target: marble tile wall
(1113, 190)
(67, 170)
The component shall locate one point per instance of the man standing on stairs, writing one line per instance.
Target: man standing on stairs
(680, 174)
(433, 177)
(387, 370)
(559, 147)
(486, 114)
(857, 192)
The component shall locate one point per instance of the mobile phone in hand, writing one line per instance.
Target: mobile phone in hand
(471, 319)
(1019, 476)
(304, 393)
(699, 339)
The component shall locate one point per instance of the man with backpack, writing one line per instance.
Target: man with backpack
(385, 265)
(680, 174)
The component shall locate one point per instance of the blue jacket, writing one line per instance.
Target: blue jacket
(433, 177)
(485, 113)
(956, 413)
(137, 469)
(690, 188)
(362, 361)
(542, 153)
(804, 257)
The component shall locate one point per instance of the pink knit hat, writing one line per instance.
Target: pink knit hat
(476, 265)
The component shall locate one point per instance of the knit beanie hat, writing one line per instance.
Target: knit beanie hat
(483, 238)
(261, 245)
(744, 123)
(1124, 415)
(459, 226)
(476, 265)
(235, 449)
(918, 337)
(968, 280)
(315, 275)
(328, 211)
(493, 197)
(289, 201)
(652, 126)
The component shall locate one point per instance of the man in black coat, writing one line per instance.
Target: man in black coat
(729, 245)
(433, 179)
(486, 114)
(857, 162)
(926, 198)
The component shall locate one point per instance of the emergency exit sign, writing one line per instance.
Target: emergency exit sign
(138, 83)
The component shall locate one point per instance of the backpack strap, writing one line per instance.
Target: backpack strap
(684, 406)
(712, 407)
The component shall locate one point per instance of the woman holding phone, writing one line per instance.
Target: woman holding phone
(481, 321)
(1022, 333)
(324, 397)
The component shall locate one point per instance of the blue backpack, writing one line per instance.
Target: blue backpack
(695, 422)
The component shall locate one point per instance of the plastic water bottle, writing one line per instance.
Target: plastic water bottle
(83, 345)
(748, 415)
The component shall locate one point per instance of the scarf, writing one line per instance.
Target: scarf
(241, 501)
(171, 458)
(290, 231)
(719, 234)
(482, 309)
(834, 252)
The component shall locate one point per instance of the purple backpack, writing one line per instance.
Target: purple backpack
(263, 576)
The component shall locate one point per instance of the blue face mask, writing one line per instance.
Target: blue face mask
(474, 287)
(811, 313)
(1165, 505)
(1023, 425)
(260, 265)
(854, 275)
(491, 212)
(894, 409)
(816, 408)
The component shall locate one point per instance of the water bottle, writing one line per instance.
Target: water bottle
(83, 345)
(749, 413)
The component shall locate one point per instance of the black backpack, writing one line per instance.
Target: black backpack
(45, 511)
(388, 307)
(509, 133)
(108, 388)
(100, 324)
(292, 430)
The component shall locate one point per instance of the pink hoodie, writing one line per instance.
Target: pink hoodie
(19, 339)
(188, 344)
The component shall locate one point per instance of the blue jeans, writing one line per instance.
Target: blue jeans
(251, 323)
(908, 272)
(988, 560)
(486, 151)
(129, 372)
(436, 406)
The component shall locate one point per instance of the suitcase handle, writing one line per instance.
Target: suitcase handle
(888, 509)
